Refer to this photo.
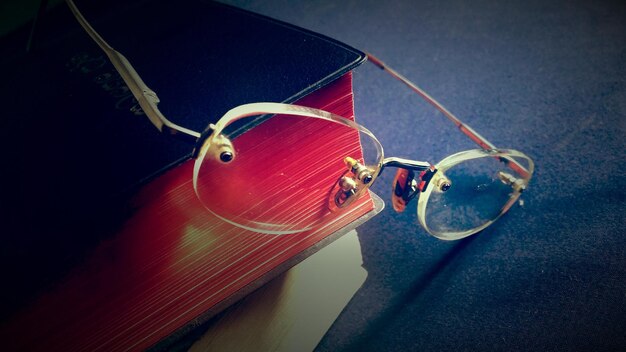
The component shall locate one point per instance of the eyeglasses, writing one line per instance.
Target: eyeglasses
(266, 167)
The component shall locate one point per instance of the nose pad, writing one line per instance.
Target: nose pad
(404, 189)
(222, 149)
(407, 186)
(350, 184)
(348, 187)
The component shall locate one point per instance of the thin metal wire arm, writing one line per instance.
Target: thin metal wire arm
(468, 131)
(145, 96)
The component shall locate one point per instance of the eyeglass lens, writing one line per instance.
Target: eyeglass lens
(482, 187)
(282, 173)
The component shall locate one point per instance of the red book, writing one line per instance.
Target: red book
(172, 264)
(77, 280)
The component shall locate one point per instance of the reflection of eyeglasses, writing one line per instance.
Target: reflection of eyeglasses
(260, 142)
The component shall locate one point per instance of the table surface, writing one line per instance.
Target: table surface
(544, 77)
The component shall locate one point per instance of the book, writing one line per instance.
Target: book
(90, 268)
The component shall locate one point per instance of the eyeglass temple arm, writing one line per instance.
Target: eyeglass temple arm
(145, 96)
(467, 130)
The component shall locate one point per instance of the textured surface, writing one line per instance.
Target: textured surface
(545, 77)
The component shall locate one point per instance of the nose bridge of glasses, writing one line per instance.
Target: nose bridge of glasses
(406, 164)
(407, 186)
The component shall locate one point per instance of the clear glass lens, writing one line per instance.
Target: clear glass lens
(482, 186)
(282, 171)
